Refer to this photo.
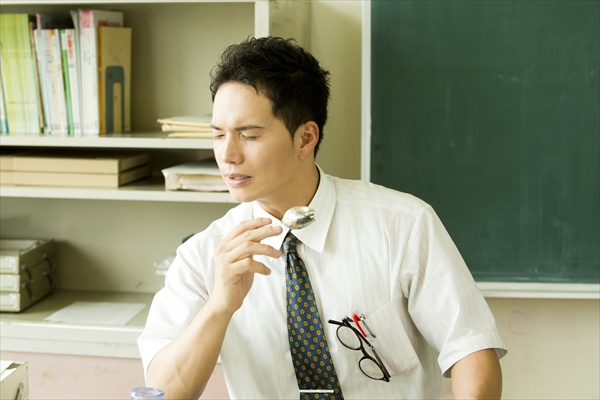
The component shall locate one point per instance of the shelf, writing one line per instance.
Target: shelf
(84, 2)
(28, 332)
(152, 189)
(147, 140)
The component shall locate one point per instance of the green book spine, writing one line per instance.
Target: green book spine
(11, 72)
(65, 65)
(29, 95)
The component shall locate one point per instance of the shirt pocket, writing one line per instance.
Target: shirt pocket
(391, 342)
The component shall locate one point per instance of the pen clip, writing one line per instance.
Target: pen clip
(364, 321)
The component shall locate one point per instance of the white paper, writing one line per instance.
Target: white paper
(97, 313)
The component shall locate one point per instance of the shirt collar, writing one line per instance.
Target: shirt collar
(314, 235)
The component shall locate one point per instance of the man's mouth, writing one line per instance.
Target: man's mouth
(237, 179)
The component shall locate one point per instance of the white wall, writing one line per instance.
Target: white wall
(553, 344)
(336, 43)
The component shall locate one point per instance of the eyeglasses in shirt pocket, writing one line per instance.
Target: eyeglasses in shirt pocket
(392, 342)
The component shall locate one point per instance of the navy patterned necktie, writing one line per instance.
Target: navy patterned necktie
(313, 365)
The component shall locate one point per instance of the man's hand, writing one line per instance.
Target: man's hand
(183, 368)
(477, 376)
(235, 265)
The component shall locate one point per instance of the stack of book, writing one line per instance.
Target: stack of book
(65, 75)
(27, 268)
(202, 176)
(80, 168)
(187, 126)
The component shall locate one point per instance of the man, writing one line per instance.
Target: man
(372, 254)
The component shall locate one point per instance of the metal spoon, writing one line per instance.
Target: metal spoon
(298, 217)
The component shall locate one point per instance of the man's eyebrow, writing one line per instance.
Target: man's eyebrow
(239, 128)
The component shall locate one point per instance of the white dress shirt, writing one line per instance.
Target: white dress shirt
(371, 251)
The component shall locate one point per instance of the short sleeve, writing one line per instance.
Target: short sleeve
(175, 305)
(443, 299)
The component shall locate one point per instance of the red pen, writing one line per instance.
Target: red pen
(356, 319)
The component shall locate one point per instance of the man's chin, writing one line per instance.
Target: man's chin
(241, 196)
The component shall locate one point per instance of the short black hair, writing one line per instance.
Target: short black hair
(282, 71)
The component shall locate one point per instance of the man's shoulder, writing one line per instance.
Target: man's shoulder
(370, 195)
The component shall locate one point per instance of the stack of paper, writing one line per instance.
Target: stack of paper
(198, 176)
(74, 168)
(187, 126)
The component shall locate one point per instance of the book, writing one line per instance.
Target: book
(89, 21)
(12, 84)
(45, 70)
(197, 176)
(114, 79)
(3, 120)
(73, 72)
(184, 128)
(77, 56)
(40, 56)
(6, 178)
(44, 45)
(81, 161)
(7, 156)
(21, 101)
(66, 81)
(187, 126)
(76, 179)
(36, 73)
(28, 78)
(49, 55)
(195, 135)
(190, 120)
(58, 81)
(51, 72)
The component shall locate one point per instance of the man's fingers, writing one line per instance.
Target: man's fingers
(252, 231)
(248, 265)
(248, 249)
(235, 264)
(246, 226)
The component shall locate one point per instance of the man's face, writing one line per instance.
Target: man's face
(254, 150)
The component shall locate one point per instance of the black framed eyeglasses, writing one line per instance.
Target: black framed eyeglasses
(352, 339)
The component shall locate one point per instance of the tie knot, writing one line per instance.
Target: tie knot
(289, 244)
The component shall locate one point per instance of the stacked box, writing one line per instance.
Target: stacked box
(14, 380)
(26, 272)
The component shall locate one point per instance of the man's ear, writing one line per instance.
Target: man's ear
(308, 133)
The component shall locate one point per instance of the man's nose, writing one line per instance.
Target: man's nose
(230, 150)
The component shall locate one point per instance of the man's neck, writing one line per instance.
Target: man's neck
(305, 188)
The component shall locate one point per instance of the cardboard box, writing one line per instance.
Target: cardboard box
(13, 380)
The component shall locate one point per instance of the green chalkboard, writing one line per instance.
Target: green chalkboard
(489, 111)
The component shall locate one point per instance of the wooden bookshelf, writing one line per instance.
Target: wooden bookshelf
(137, 140)
(108, 239)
